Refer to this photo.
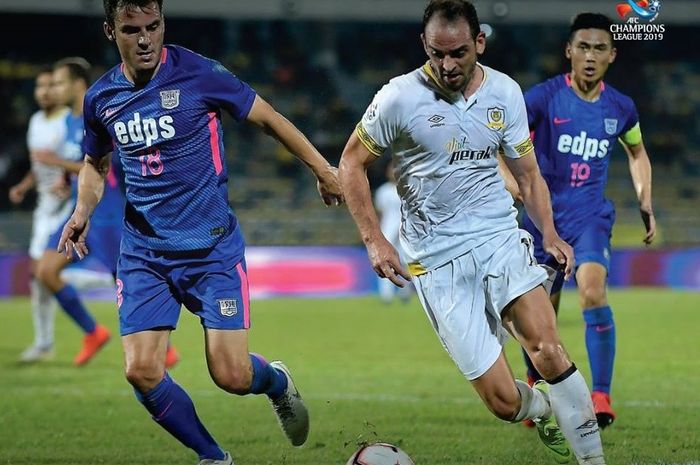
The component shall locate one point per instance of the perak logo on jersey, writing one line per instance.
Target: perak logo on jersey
(496, 118)
(459, 150)
(638, 16)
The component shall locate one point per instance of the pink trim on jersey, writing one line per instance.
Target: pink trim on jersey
(245, 293)
(214, 142)
(164, 55)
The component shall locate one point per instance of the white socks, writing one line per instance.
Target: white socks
(532, 403)
(572, 406)
(43, 314)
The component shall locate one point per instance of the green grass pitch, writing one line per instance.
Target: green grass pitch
(367, 371)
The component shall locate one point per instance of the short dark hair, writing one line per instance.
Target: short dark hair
(590, 21)
(452, 10)
(111, 7)
(78, 68)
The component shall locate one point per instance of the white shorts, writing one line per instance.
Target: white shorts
(464, 298)
(49, 214)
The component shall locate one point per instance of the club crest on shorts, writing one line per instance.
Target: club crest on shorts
(610, 125)
(170, 99)
(228, 307)
(496, 118)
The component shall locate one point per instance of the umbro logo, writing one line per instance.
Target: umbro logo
(436, 120)
(589, 424)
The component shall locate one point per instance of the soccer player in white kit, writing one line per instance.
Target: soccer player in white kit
(472, 267)
(47, 130)
(388, 204)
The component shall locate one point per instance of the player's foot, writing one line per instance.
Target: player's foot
(227, 460)
(171, 357)
(33, 354)
(528, 422)
(290, 409)
(549, 432)
(603, 411)
(92, 343)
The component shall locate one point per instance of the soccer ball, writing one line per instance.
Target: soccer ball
(380, 453)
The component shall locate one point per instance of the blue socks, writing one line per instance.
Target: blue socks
(266, 379)
(70, 302)
(173, 409)
(600, 342)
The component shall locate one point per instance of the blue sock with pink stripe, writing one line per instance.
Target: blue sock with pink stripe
(600, 342)
(266, 379)
(174, 411)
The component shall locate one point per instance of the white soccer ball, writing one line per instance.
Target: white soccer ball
(380, 453)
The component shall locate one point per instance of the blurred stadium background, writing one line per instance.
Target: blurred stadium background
(368, 371)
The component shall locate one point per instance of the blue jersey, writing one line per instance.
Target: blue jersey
(573, 141)
(169, 140)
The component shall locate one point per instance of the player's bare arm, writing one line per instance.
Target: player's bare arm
(640, 169)
(353, 178)
(511, 183)
(535, 197)
(91, 183)
(19, 190)
(273, 123)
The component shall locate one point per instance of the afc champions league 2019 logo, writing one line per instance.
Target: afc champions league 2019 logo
(643, 9)
(639, 18)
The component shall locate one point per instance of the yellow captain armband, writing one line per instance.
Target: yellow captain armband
(633, 136)
(369, 143)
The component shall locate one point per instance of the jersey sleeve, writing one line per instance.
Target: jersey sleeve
(516, 137)
(379, 126)
(97, 141)
(222, 89)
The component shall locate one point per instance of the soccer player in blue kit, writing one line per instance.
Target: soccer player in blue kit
(575, 119)
(181, 244)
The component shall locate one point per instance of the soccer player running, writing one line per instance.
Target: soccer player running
(576, 118)
(471, 265)
(46, 132)
(182, 245)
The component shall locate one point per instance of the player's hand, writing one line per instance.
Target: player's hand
(73, 236)
(17, 194)
(329, 188)
(562, 253)
(47, 157)
(649, 225)
(386, 263)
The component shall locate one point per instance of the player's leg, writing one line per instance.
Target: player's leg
(530, 319)
(593, 258)
(600, 336)
(49, 271)
(43, 311)
(148, 311)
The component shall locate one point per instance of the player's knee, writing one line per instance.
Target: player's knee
(236, 379)
(593, 296)
(48, 274)
(142, 375)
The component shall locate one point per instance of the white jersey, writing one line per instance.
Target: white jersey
(444, 149)
(46, 133)
(388, 204)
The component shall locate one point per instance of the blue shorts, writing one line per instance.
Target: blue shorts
(591, 244)
(102, 241)
(211, 283)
